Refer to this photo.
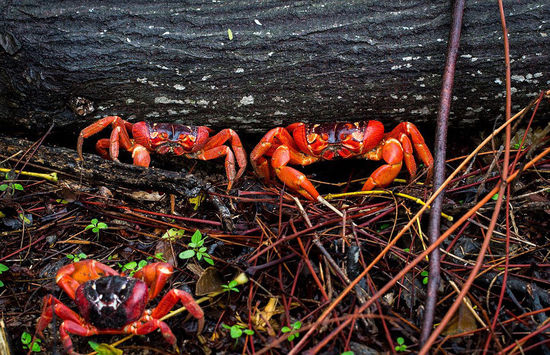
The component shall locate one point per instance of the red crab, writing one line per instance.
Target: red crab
(194, 142)
(305, 144)
(110, 303)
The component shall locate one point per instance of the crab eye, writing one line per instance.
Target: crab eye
(164, 135)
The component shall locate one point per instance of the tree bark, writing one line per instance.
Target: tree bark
(253, 65)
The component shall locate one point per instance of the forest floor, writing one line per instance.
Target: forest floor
(273, 272)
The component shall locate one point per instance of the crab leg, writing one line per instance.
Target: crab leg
(392, 153)
(171, 298)
(223, 136)
(98, 126)
(215, 153)
(402, 132)
(272, 139)
(59, 308)
(155, 276)
(293, 178)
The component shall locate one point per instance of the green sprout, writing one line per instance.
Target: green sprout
(349, 352)
(237, 330)
(96, 226)
(231, 286)
(9, 186)
(295, 326)
(198, 249)
(424, 275)
(77, 257)
(2, 269)
(401, 346)
(26, 340)
(132, 267)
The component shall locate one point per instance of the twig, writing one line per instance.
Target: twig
(439, 167)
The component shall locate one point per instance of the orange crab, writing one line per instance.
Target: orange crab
(305, 144)
(110, 303)
(193, 142)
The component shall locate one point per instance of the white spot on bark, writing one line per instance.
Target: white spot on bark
(142, 80)
(206, 77)
(239, 70)
(128, 40)
(179, 87)
(280, 113)
(130, 101)
(393, 96)
(257, 22)
(165, 100)
(498, 81)
(247, 100)
(153, 114)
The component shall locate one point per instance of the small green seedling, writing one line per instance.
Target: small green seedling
(26, 340)
(2, 269)
(11, 187)
(349, 352)
(96, 226)
(198, 249)
(424, 275)
(231, 286)
(238, 330)
(132, 267)
(401, 346)
(295, 326)
(77, 257)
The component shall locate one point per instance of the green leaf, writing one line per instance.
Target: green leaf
(495, 197)
(104, 349)
(1, 283)
(130, 266)
(226, 326)
(187, 254)
(101, 225)
(26, 338)
(285, 329)
(3, 268)
(36, 347)
(3, 187)
(18, 187)
(232, 284)
(193, 245)
(197, 236)
(291, 337)
(297, 325)
(94, 221)
(400, 340)
(208, 260)
(95, 229)
(82, 256)
(236, 332)
(70, 256)
(349, 352)
(230, 34)
(202, 250)
(248, 332)
(141, 264)
(89, 226)
(199, 256)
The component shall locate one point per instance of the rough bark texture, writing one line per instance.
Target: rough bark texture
(287, 61)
